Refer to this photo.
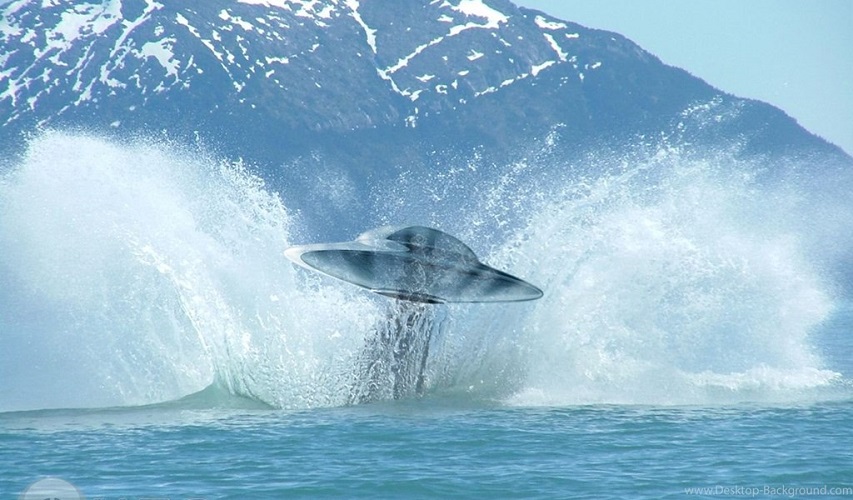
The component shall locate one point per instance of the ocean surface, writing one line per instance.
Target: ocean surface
(694, 338)
(437, 448)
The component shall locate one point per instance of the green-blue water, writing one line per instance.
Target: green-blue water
(431, 448)
(694, 337)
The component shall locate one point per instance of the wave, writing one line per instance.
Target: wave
(139, 272)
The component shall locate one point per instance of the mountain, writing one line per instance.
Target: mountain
(364, 85)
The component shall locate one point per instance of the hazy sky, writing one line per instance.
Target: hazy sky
(794, 54)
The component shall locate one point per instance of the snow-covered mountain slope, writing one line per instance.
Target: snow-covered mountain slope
(385, 60)
(272, 78)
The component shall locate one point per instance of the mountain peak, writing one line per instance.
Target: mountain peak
(435, 56)
(272, 72)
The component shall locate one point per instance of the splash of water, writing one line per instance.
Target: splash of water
(668, 281)
(137, 273)
(142, 272)
(393, 364)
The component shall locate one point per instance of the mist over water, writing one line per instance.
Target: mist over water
(140, 272)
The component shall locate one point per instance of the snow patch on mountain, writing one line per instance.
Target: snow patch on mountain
(548, 25)
(236, 20)
(161, 50)
(554, 45)
(312, 9)
(477, 8)
(539, 67)
(368, 32)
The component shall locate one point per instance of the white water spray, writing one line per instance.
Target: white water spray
(698, 287)
(138, 273)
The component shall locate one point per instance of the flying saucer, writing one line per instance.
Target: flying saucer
(414, 263)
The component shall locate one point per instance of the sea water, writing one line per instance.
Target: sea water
(436, 447)
(694, 337)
